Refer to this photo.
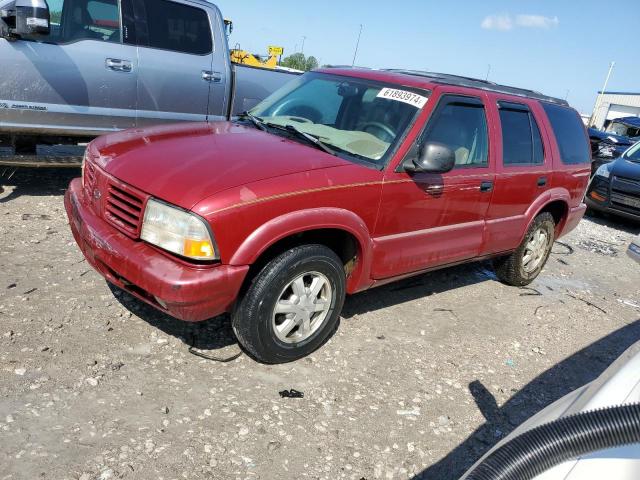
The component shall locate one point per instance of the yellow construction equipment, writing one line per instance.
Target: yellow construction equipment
(253, 60)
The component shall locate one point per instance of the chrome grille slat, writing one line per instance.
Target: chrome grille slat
(123, 208)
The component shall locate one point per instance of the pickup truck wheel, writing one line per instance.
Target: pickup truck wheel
(525, 263)
(292, 305)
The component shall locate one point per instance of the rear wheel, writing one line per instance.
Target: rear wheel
(526, 262)
(292, 305)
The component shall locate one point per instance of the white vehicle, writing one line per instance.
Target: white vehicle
(563, 441)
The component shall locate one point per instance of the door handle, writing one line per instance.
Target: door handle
(434, 189)
(486, 186)
(542, 181)
(209, 76)
(118, 65)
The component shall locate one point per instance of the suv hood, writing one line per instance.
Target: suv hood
(184, 163)
(622, 167)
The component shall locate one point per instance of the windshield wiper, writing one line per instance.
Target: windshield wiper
(257, 121)
(304, 135)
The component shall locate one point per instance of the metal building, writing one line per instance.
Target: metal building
(615, 105)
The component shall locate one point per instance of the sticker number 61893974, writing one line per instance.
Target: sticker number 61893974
(403, 96)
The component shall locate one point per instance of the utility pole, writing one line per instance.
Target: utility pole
(488, 72)
(599, 97)
(357, 44)
(303, 39)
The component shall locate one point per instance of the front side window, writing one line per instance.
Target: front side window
(570, 134)
(461, 124)
(521, 141)
(358, 119)
(177, 27)
(74, 20)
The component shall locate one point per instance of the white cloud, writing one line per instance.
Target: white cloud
(537, 21)
(497, 22)
(505, 21)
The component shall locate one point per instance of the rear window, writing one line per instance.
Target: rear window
(569, 132)
(177, 27)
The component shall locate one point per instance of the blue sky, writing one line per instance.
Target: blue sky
(546, 45)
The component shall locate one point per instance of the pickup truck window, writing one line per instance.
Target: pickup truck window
(570, 134)
(461, 124)
(177, 27)
(74, 20)
(521, 141)
(359, 119)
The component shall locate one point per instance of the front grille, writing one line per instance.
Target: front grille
(632, 182)
(123, 208)
(89, 174)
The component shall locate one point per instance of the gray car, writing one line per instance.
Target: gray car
(75, 69)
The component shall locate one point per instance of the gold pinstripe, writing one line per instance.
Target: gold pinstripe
(309, 190)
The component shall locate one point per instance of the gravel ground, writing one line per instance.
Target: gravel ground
(421, 378)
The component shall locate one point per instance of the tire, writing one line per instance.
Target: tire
(514, 269)
(263, 332)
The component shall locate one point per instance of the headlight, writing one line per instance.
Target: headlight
(603, 171)
(177, 231)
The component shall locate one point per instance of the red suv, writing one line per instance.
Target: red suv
(343, 180)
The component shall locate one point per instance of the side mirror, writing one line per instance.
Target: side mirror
(433, 157)
(31, 18)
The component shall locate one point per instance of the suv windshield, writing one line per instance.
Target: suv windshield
(633, 154)
(356, 118)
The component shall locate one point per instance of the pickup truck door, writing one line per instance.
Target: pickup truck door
(80, 79)
(426, 219)
(183, 66)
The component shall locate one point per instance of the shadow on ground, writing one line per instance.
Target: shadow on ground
(420, 286)
(619, 223)
(580, 368)
(213, 334)
(34, 181)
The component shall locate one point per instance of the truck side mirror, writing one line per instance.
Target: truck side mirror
(31, 18)
(433, 157)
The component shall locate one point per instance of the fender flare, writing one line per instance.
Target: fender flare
(311, 219)
(549, 196)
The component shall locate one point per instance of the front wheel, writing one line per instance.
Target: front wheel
(292, 305)
(526, 262)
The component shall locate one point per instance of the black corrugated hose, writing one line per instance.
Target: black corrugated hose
(543, 447)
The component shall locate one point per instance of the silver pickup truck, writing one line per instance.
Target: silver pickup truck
(71, 70)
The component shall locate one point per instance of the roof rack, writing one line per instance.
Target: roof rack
(448, 79)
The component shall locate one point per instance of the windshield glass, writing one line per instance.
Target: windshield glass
(634, 153)
(357, 118)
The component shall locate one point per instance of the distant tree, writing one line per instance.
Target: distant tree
(300, 62)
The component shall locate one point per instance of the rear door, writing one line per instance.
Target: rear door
(79, 79)
(523, 170)
(176, 53)
(426, 219)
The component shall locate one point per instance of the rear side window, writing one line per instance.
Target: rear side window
(177, 27)
(521, 142)
(569, 132)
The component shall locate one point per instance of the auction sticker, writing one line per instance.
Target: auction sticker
(403, 96)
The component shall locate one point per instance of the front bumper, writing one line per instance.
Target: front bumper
(188, 292)
(606, 207)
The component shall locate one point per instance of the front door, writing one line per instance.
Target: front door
(427, 219)
(176, 53)
(79, 79)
